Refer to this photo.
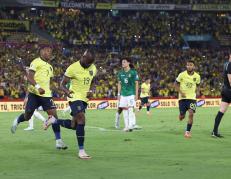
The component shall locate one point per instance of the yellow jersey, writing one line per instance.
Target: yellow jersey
(81, 79)
(43, 73)
(146, 89)
(188, 84)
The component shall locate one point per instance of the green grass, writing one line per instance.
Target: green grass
(159, 150)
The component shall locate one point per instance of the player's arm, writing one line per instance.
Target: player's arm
(30, 78)
(198, 89)
(63, 87)
(137, 90)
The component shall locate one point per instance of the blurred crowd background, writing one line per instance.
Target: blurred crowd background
(153, 39)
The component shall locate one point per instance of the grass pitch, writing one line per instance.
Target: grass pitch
(159, 150)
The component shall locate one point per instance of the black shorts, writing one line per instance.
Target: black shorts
(77, 106)
(144, 100)
(34, 101)
(186, 104)
(226, 95)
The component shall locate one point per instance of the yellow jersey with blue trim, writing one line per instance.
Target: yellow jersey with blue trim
(188, 84)
(81, 79)
(146, 90)
(43, 73)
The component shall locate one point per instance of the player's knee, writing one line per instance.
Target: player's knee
(181, 116)
(80, 118)
(28, 115)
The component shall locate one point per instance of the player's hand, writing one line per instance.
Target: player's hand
(89, 94)
(41, 91)
(69, 94)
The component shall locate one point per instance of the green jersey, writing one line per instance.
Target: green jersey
(128, 82)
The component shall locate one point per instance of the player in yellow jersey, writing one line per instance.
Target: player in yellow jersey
(39, 75)
(80, 74)
(144, 95)
(187, 85)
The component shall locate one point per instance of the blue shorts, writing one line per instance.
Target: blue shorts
(186, 104)
(34, 101)
(77, 106)
(144, 100)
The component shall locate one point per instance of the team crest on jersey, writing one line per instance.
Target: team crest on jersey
(194, 79)
(91, 72)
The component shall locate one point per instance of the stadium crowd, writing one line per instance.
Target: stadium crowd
(162, 66)
(152, 40)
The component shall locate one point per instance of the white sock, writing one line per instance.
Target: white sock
(31, 122)
(39, 116)
(132, 117)
(126, 119)
(117, 117)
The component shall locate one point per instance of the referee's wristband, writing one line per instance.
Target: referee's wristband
(37, 86)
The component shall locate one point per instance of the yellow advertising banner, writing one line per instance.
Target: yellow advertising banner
(103, 6)
(9, 106)
(14, 25)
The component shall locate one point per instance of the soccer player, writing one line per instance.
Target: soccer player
(225, 97)
(144, 95)
(187, 85)
(128, 93)
(39, 75)
(80, 74)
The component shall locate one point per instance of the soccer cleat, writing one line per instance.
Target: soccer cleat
(48, 122)
(148, 113)
(187, 134)
(14, 125)
(216, 135)
(29, 129)
(127, 130)
(83, 155)
(60, 145)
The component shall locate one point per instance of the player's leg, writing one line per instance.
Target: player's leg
(49, 106)
(191, 105)
(78, 121)
(147, 105)
(31, 105)
(132, 117)
(124, 105)
(225, 101)
(141, 104)
(38, 115)
(223, 108)
(117, 118)
(31, 124)
(182, 109)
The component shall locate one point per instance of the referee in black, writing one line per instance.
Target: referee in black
(225, 97)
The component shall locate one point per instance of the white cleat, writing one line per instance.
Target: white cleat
(83, 155)
(127, 130)
(29, 129)
(14, 125)
(60, 144)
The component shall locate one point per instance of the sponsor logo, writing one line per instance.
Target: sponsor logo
(200, 103)
(154, 104)
(103, 105)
